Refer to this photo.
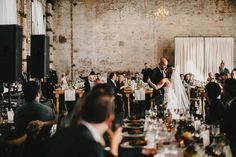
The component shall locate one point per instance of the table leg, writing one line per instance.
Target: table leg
(57, 102)
(128, 103)
(151, 101)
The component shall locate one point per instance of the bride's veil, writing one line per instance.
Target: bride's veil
(179, 89)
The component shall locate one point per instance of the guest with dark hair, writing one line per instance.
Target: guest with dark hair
(228, 124)
(214, 107)
(146, 72)
(233, 74)
(32, 109)
(118, 96)
(102, 88)
(86, 138)
(90, 82)
(222, 68)
(182, 77)
(136, 77)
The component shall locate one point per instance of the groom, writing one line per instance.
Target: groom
(156, 76)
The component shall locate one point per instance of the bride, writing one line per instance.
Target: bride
(174, 92)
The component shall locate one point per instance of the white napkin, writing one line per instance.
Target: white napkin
(206, 137)
(70, 95)
(139, 94)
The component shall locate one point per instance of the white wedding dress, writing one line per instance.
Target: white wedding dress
(176, 97)
(170, 99)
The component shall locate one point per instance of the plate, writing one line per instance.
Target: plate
(127, 145)
(132, 127)
(134, 120)
(126, 134)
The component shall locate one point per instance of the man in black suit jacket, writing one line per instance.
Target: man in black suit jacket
(86, 138)
(118, 96)
(228, 125)
(155, 77)
(222, 69)
(146, 72)
(52, 80)
(89, 82)
(23, 76)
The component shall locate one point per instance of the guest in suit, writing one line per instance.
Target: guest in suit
(118, 96)
(51, 81)
(136, 77)
(222, 68)
(214, 107)
(85, 139)
(156, 76)
(146, 72)
(89, 82)
(228, 124)
(32, 109)
(233, 74)
(23, 77)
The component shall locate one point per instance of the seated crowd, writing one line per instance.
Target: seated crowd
(93, 115)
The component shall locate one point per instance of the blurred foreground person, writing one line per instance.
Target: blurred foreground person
(86, 138)
(228, 124)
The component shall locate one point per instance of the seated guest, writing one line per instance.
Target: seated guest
(225, 76)
(186, 80)
(86, 138)
(146, 72)
(228, 124)
(233, 74)
(136, 77)
(211, 77)
(222, 68)
(32, 109)
(192, 80)
(214, 108)
(218, 78)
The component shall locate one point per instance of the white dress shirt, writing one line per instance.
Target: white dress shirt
(93, 131)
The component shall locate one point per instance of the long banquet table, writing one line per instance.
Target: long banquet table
(59, 92)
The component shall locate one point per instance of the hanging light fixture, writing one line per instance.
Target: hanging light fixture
(161, 12)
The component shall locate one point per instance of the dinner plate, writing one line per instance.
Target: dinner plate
(132, 127)
(127, 145)
(126, 134)
(136, 120)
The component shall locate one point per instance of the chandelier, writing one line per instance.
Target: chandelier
(162, 11)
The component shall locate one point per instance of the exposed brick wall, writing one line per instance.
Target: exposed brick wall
(123, 34)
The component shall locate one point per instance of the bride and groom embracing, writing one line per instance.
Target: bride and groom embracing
(168, 87)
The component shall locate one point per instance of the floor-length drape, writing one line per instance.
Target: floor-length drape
(38, 22)
(216, 50)
(8, 12)
(189, 56)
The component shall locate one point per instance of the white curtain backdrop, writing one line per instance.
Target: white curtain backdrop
(216, 50)
(189, 56)
(8, 12)
(38, 21)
